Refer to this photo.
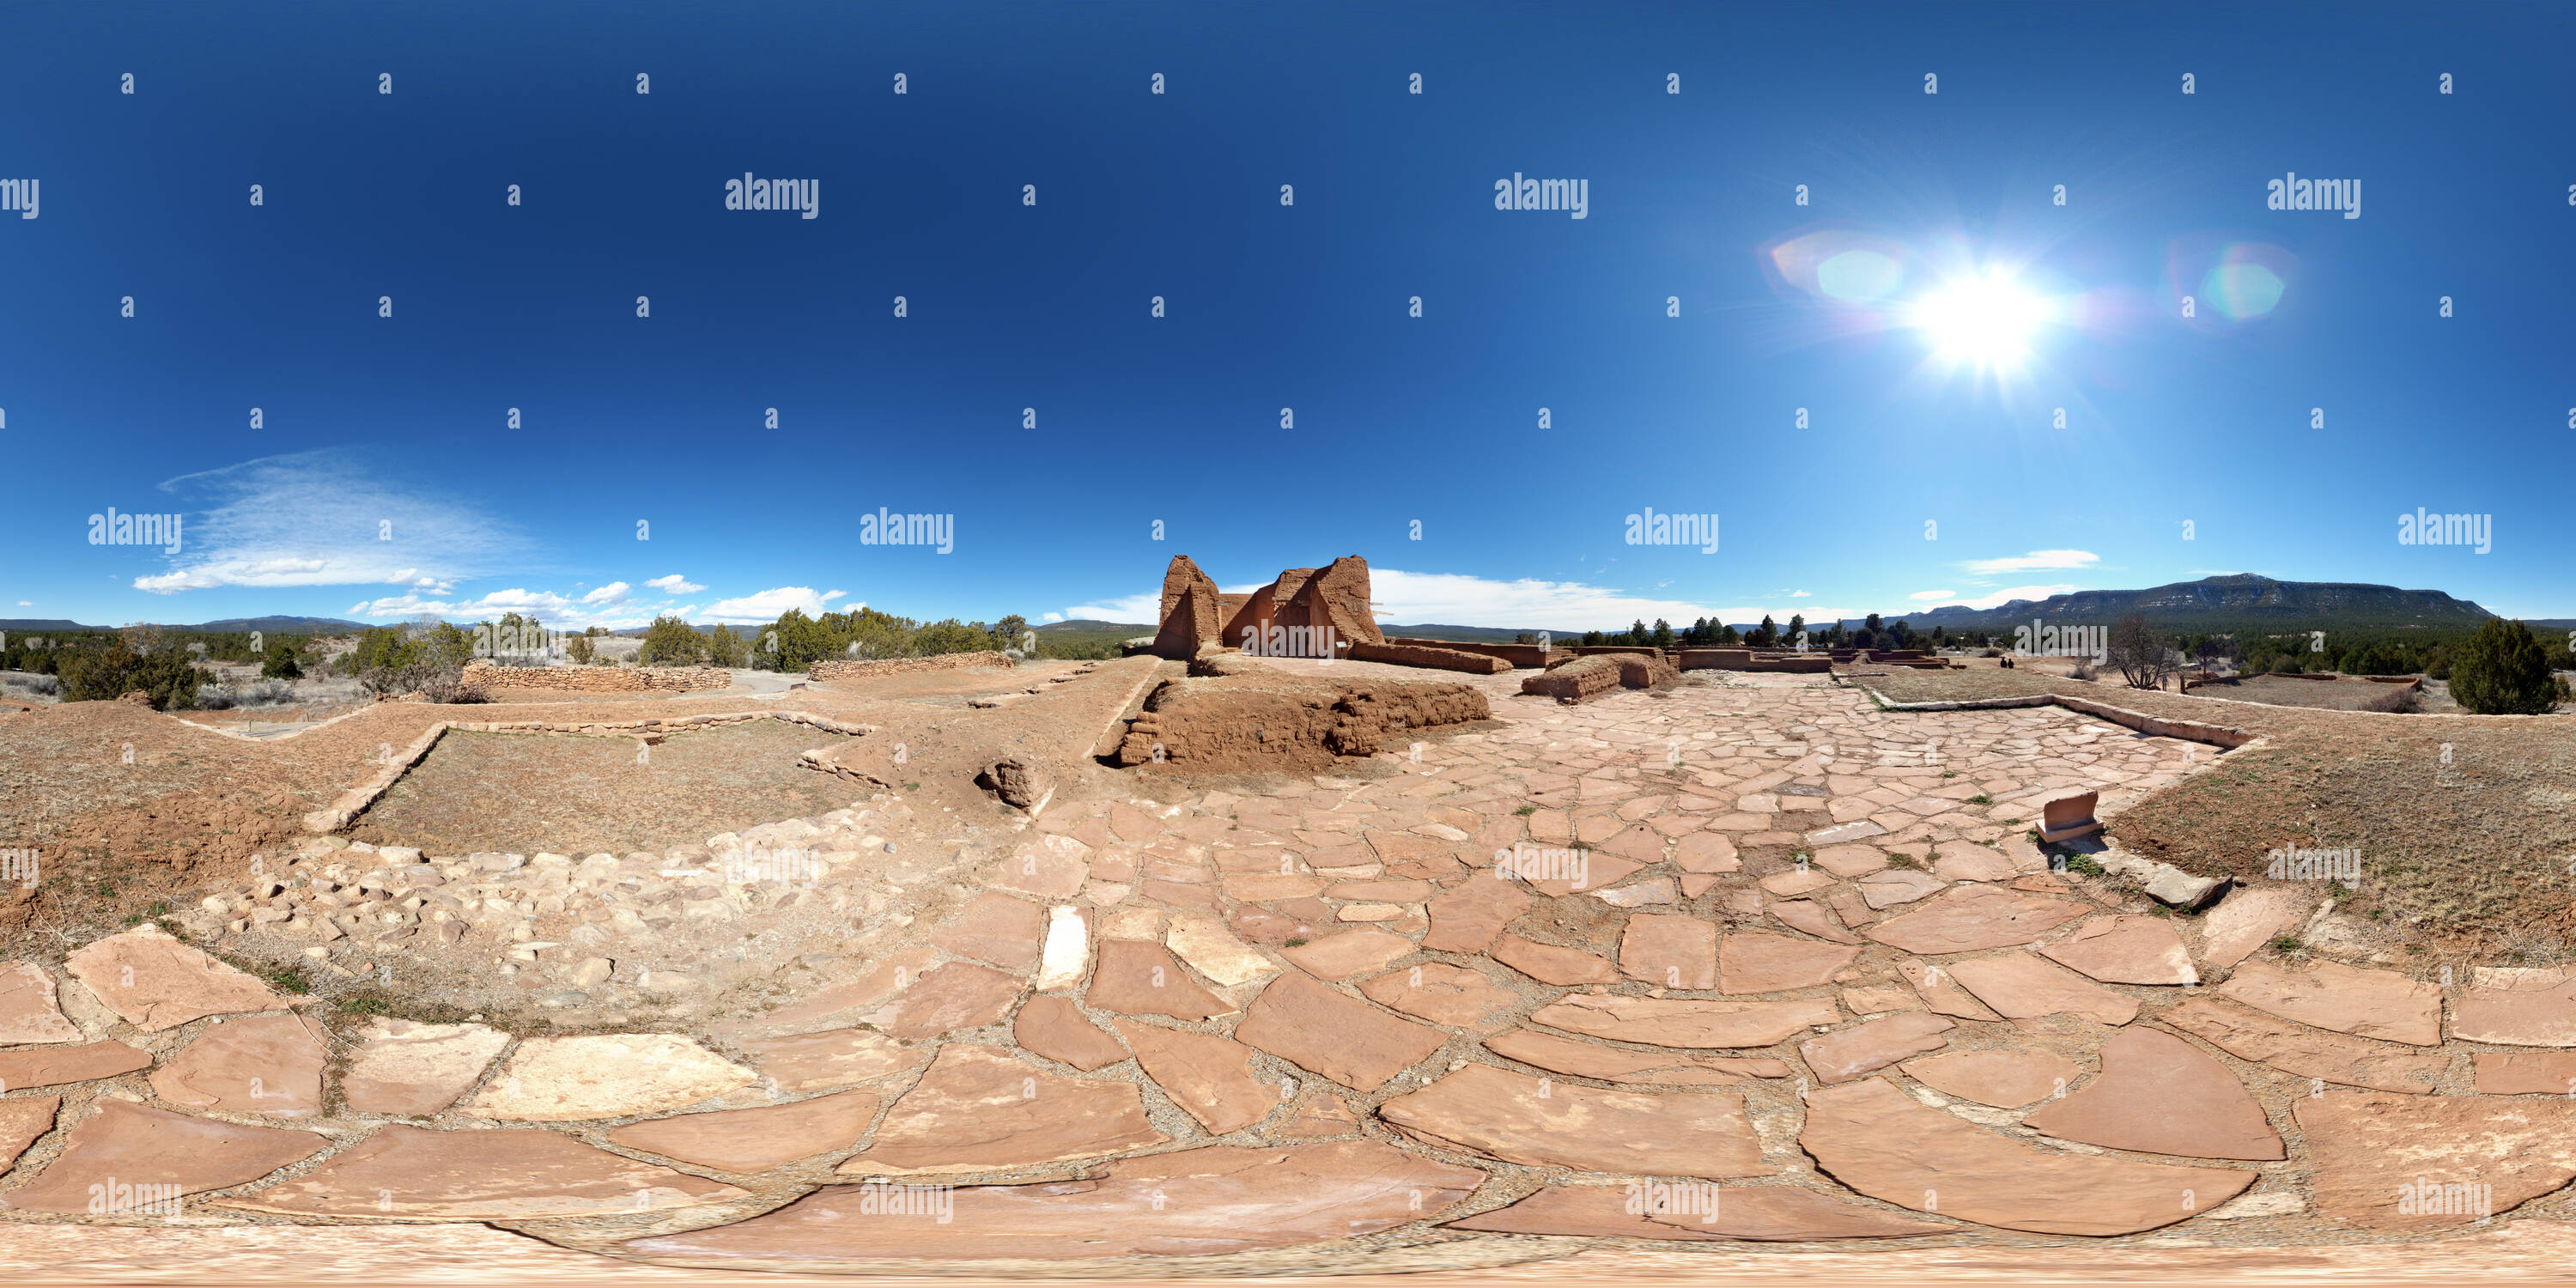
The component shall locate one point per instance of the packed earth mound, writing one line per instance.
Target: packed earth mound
(1264, 720)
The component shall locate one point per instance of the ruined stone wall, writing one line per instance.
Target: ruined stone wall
(1745, 659)
(1431, 655)
(1527, 657)
(1587, 677)
(1246, 723)
(599, 679)
(1193, 611)
(846, 669)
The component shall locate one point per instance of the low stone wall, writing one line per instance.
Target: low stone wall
(1437, 656)
(1590, 676)
(1745, 659)
(599, 679)
(841, 669)
(1527, 657)
(1245, 723)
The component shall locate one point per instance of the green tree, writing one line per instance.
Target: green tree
(99, 675)
(724, 648)
(280, 664)
(1797, 626)
(1663, 636)
(2502, 671)
(671, 641)
(1765, 634)
(580, 649)
(795, 642)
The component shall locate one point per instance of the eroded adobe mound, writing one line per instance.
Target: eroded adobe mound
(1256, 719)
(1599, 673)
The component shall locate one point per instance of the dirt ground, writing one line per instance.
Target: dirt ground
(2466, 824)
(594, 795)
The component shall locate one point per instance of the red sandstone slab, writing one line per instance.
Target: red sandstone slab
(1443, 994)
(1973, 916)
(2538, 1011)
(1055, 1028)
(1809, 916)
(1466, 917)
(1050, 867)
(996, 928)
(1659, 1210)
(406, 1068)
(978, 1109)
(21, 1122)
(1553, 964)
(1137, 978)
(1941, 993)
(2126, 950)
(2158, 1094)
(2526, 1073)
(1213, 1079)
(743, 1141)
(408, 1173)
(124, 1143)
(261, 1064)
(29, 1012)
(1198, 1202)
(1678, 1022)
(2248, 919)
(876, 984)
(959, 995)
(2330, 995)
(1600, 872)
(2330, 1057)
(53, 1066)
(2391, 1162)
(2004, 1079)
(1670, 950)
(155, 982)
(1347, 1040)
(1352, 952)
(1585, 1059)
(1756, 963)
(1543, 1123)
(2020, 987)
(1879, 1141)
(836, 1057)
(1863, 1049)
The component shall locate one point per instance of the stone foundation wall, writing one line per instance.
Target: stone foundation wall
(839, 669)
(1437, 656)
(599, 679)
(1251, 723)
(1527, 657)
(1745, 659)
(1591, 676)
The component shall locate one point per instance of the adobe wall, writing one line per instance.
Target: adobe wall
(1437, 656)
(1527, 657)
(1193, 610)
(1249, 723)
(1741, 659)
(599, 679)
(851, 669)
(1587, 677)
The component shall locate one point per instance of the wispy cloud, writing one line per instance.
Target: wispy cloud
(608, 594)
(675, 584)
(768, 604)
(2035, 561)
(1131, 609)
(1932, 596)
(2002, 597)
(322, 518)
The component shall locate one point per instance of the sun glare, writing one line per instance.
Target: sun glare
(1987, 321)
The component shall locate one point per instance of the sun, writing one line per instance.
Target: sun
(1986, 320)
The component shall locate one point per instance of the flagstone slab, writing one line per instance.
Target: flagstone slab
(1311, 1026)
(1553, 964)
(2246, 920)
(2525, 1073)
(2157, 1094)
(1848, 861)
(409, 1069)
(996, 928)
(2020, 986)
(978, 1109)
(1863, 1049)
(832, 1058)
(1057, 1029)
(1880, 1141)
(1139, 978)
(1680, 1022)
(2004, 1079)
(1443, 994)
(1670, 950)
(605, 1076)
(944, 999)
(1583, 1059)
(29, 1012)
(1809, 916)
(2345, 999)
(2330, 1057)
(2126, 950)
(1707, 853)
(743, 1141)
(1894, 886)
(155, 982)
(1213, 951)
(1543, 1123)
(1757, 963)
(883, 980)
(1600, 872)
(55, 1065)
(1200, 1202)
(1969, 861)
(406, 1173)
(1972, 916)
(2387, 1161)
(1050, 867)
(1318, 1111)
(1765, 1213)
(1352, 952)
(2538, 1009)
(1797, 881)
(123, 1143)
(259, 1064)
(21, 1122)
(1466, 917)
(1213, 1079)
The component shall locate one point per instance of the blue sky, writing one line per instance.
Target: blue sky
(385, 480)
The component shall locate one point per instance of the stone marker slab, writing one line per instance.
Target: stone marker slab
(1541, 1123)
(406, 1173)
(1199, 1202)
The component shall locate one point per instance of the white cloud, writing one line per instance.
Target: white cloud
(1147, 608)
(2032, 562)
(2003, 597)
(768, 604)
(1459, 599)
(675, 584)
(830, 595)
(1798, 594)
(1050, 617)
(26, 603)
(608, 594)
(1932, 596)
(321, 519)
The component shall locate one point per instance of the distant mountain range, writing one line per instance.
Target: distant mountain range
(2240, 597)
(265, 625)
